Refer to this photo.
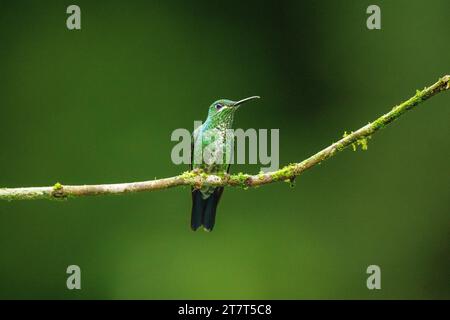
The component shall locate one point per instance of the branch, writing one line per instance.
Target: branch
(198, 179)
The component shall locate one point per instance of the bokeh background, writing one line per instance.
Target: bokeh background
(98, 106)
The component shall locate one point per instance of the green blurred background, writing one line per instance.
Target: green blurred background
(98, 106)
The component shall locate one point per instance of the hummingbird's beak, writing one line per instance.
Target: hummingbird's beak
(238, 103)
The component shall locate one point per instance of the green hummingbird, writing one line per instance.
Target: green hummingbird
(211, 152)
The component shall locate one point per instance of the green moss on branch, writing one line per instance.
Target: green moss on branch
(198, 178)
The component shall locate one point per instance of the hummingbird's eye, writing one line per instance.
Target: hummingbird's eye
(219, 106)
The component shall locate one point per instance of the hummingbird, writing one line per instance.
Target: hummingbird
(211, 151)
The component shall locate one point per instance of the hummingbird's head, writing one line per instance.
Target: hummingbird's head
(224, 108)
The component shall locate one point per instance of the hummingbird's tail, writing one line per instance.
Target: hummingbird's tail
(204, 210)
(198, 205)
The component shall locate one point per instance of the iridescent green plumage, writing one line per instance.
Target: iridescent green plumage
(212, 149)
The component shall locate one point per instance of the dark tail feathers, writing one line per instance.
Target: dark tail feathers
(204, 210)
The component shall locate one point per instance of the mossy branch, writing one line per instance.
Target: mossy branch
(197, 178)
